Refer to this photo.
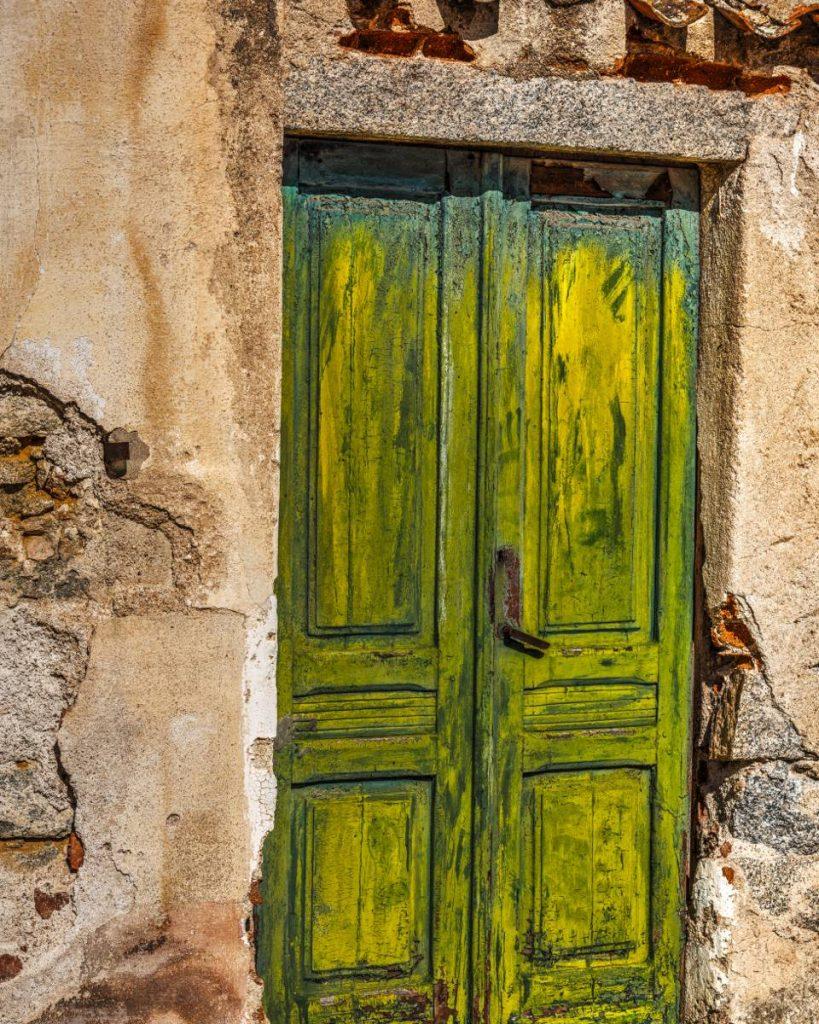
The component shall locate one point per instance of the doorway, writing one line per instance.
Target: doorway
(486, 588)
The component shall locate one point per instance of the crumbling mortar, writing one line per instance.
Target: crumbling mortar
(729, 645)
(63, 771)
(116, 497)
(70, 438)
(756, 632)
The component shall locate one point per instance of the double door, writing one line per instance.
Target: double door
(485, 589)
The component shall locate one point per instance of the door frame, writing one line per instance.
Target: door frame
(679, 390)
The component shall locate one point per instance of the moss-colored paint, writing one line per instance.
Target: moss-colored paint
(465, 833)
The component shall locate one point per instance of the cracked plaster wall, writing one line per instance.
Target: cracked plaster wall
(140, 248)
(754, 939)
(139, 338)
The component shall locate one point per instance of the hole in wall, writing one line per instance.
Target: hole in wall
(123, 453)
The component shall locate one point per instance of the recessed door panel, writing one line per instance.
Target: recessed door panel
(601, 284)
(373, 286)
(586, 855)
(365, 884)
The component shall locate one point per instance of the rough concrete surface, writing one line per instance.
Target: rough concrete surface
(139, 420)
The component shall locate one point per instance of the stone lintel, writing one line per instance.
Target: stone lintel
(440, 102)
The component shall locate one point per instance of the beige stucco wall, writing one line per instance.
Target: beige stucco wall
(754, 949)
(140, 273)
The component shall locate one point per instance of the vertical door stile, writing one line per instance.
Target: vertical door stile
(276, 961)
(499, 678)
(676, 555)
(484, 641)
(460, 304)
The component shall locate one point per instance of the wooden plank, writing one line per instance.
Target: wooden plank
(499, 719)
(586, 705)
(564, 662)
(635, 746)
(675, 611)
(622, 852)
(373, 713)
(617, 582)
(373, 756)
(452, 851)
(361, 167)
(342, 663)
(401, 1004)
(568, 987)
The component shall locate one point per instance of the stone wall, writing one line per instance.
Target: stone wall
(139, 384)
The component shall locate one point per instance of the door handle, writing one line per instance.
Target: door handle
(504, 601)
(526, 643)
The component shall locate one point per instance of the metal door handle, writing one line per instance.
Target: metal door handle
(526, 643)
(504, 599)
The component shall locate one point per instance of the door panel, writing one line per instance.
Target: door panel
(374, 281)
(363, 854)
(596, 460)
(586, 854)
(485, 590)
(583, 729)
(372, 848)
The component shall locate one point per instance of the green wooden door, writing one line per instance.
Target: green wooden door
(485, 590)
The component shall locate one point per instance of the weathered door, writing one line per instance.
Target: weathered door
(485, 595)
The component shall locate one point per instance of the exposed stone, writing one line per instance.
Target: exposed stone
(10, 966)
(75, 853)
(35, 908)
(23, 416)
(744, 722)
(47, 903)
(39, 675)
(770, 20)
(394, 32)
(69, 532)
(452, 104)
(793, 1005)
(778, 805)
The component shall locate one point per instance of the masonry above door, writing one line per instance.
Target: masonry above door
(485, 590)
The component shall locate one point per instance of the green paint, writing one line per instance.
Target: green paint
(365, 848)
(599, 284)
(464, 833)
(586, 867)
(375, 317)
